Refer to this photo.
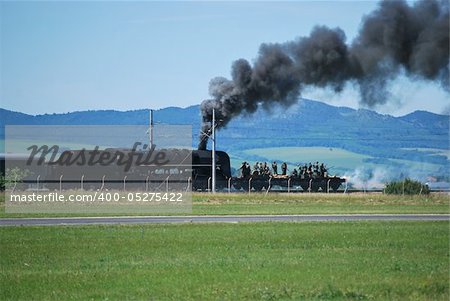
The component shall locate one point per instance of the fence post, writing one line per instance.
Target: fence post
(82, 183)
(249, 185)
(310, 186)
(146, 183)
(60, 183)
(125, 183)
(229, 185)
(15, 184)
(209, 184)
(103, 183)
(37, 182)
(289, 185)
(269, 186)
(167, 183)
(328, 185)
(189, 183)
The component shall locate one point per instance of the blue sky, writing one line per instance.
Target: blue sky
(68, 56)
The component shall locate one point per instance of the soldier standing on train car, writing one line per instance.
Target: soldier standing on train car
(302, 171)
(283, 168)
(316, 168)
(275, 168)
(243, 169)
(256, 166)
(295, 173)
(323, 170)
(248, 170)
(266, 169)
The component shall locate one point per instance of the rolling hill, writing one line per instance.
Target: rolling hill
(417, 143)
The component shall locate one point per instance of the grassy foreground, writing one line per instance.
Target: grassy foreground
(300, 203)
(263, 261)
(318, 203)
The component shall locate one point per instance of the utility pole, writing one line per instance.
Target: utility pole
(213, 151)
(151, 127)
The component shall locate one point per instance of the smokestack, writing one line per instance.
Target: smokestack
(392, 39)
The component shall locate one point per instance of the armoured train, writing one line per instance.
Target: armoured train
(196, 177)
(201, 160)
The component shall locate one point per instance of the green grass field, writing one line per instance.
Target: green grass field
(263, 261)
(318, 203)
(303, 203)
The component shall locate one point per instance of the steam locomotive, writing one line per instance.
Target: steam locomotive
(196, 176)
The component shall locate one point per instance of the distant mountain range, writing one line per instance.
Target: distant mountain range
(306, 124)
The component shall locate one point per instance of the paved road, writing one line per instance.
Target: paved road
(218, 219)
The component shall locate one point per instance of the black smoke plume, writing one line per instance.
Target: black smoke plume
(394, 38)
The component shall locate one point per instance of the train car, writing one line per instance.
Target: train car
(178, 172)
(258, 182)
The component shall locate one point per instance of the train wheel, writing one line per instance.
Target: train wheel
(237, 186)
(198, 185)
(257, 186)
(244, 185)
(304, 186)
(315, 187)
(335, 186)
(323, 186)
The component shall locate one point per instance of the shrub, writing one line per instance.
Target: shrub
(406, 186)
(12, 175)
